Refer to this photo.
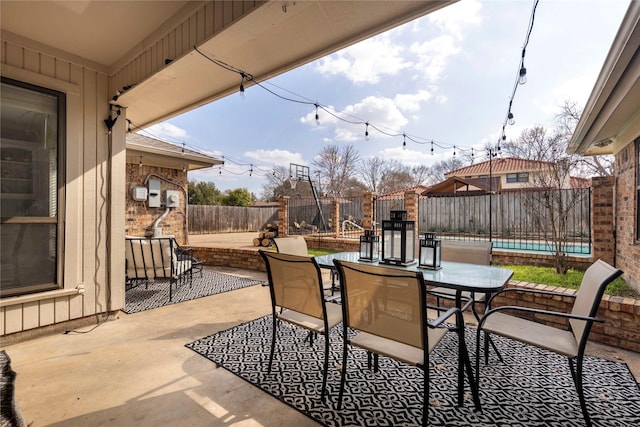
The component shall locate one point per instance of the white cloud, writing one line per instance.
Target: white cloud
(167, 131)
(379, 111)
(409, 156)
(367, 61)
(433, 55)
(411, 102)
(454, 19)
(276, 157)
(576, 89)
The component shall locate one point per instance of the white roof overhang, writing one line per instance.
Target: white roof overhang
(611, 117)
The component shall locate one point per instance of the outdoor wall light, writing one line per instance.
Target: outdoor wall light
(430, 252)
(369, 246)
(398, 239)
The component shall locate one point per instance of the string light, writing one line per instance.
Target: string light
(140, 164)
(317, 116)
(184, 167)
(432, 148)
(366, 131)
(183, 148)
(242, 95)
(523, 75)
(404, 142)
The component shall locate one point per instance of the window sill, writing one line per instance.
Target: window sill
(5, 302)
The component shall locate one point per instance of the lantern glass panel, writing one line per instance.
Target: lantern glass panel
(369, 246)
(398, 242)
(430, 253)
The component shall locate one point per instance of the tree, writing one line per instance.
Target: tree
(397, 176)
(551, 201)
(203, 193)
(371, 170)
(337, 166)
(237, 197)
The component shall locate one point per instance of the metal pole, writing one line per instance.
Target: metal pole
(490, 194)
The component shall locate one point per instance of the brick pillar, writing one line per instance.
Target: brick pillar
(602, 218)
(411, 206)
(283, 216)
(335, 205)
(368, 210)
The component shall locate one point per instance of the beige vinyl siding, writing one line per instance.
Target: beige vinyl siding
(201, 25)
(85, 254)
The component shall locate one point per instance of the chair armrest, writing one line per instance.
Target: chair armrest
(538, 311)
(528, 291)
(447, 314)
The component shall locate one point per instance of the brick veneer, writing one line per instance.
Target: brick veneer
(139, 217)
(627, 247)
(621, 315)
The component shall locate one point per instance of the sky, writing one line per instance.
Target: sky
(447, 77)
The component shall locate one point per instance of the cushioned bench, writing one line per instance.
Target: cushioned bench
(148, 259)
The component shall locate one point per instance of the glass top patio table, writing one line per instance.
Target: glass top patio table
(454, 275)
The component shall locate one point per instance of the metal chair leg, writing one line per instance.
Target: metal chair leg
(576, 373)
(273, 342)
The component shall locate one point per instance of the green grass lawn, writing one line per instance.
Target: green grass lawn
(548, 276)
(571, 280)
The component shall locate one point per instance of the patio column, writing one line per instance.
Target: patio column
(411, 206)
(602, 219)
(283, 216)
(336, 223)
(368, 210)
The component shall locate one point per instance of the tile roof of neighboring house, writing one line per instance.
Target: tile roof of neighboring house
(499, 165)
(452, 184)
(165, 153)
(399, 194)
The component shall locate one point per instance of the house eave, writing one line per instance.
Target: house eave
(611, 117)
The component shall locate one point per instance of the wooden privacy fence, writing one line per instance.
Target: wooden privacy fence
(208, 219)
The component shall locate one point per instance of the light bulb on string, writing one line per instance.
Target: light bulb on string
(183, 148)
(404, 142)
(251, 170)
(242, 95)
(432, 148)
(140, 164)
(184, 167)
(366, 131)
(510, 119)
(454, 151)
(522, 79)
(317, 116)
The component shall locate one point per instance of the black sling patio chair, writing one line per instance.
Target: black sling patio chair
(570, 343)
(297, 297)
(387, 309)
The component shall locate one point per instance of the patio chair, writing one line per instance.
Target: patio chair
(298, 246)
(387, 309)
(156, 258)
(297, 297)
(469, 252)
(570, 343)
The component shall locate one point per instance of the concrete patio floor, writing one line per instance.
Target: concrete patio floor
(135, 370)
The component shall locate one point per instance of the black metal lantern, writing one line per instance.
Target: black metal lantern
(398, 240)
(430, 252)
(369, 246)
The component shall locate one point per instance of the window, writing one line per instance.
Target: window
(31, 180)
(518, 177)
(638, 188)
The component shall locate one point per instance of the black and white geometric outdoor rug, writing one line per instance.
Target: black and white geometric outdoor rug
(532, 388)
(156, 294)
